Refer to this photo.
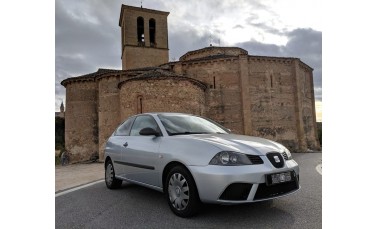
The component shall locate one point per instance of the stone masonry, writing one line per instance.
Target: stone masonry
(270, 97)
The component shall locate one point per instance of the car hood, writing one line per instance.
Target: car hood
(239, 143)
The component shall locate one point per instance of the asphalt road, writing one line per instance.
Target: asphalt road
(137, 207)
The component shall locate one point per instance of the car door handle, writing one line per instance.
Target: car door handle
(126, 144)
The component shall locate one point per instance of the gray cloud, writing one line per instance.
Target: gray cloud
(181, 42)
(307, 45)
(268, 29)
(95, 40)
(87, 37)
(238, 27)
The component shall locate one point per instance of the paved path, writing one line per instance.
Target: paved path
(77, 174)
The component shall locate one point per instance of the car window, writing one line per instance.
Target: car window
(143, 122)
(176, 124)
(124, 128)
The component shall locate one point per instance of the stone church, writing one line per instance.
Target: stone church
(270, 97)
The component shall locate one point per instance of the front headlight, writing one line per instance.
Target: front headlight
(230, 158)
(288, 153)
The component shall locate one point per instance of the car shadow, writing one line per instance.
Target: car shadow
(271, 213)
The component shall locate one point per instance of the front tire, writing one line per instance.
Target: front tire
(181, 192)
(110, 180)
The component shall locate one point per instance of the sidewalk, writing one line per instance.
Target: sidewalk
(70, 176)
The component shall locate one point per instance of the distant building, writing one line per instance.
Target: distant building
(270, 97)
(61, 112)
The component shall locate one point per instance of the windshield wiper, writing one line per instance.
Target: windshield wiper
(187, 132)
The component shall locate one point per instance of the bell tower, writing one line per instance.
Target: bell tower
(144, 37)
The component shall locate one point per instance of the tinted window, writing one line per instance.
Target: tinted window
(124, 129)
(143, 122)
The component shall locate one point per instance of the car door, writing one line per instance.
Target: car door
(116, 145)
(141, 153)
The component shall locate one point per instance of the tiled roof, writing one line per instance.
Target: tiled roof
(160, 74)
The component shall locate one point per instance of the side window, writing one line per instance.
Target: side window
(143, 122)
(124, 128)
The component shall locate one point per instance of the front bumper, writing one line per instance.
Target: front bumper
(212, 181)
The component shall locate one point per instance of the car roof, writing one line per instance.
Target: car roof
(168, 113)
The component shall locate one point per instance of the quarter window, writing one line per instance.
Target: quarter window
(124, 128)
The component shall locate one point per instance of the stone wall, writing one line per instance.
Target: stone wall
(261, 96)
(307, 105)
(221, 76)
(140, 57)
(257, 95)
(161, 95)
(273, 106)
(108, 109)
(81, 117)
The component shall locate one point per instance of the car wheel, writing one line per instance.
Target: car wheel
(110, 180)
(181, 192)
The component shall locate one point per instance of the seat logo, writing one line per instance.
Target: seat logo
(277, 159)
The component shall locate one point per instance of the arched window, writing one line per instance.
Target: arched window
(139, 104)
(152, 25)
(140, 29)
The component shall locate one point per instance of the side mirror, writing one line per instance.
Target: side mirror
(229, 131)
(149, 131)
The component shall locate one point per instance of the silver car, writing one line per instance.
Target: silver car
(194, 160)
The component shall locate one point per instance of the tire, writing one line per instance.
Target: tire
(110, 180)
(181, 192)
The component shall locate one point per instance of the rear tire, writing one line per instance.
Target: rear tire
(110, 180)
(181, 192)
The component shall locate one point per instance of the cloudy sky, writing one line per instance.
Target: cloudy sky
(87, 35)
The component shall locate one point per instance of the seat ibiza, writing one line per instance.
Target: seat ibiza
(194, 160)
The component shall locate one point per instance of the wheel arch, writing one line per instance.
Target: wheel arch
(171, 165)
(106, 161)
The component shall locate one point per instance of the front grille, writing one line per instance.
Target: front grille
(255, 159)
(236, 191)
(264, 191)
(276, 159)
(285, 156)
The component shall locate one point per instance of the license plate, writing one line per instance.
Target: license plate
(278, 178)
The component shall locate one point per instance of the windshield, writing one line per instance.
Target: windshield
(177, 124)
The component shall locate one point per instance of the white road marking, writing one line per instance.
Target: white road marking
(77, 188)
(319, 169)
